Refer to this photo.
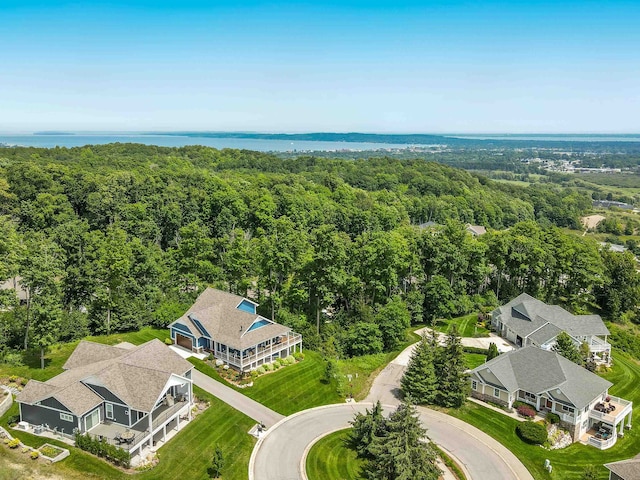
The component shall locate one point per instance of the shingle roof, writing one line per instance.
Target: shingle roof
(626, 469)
(535, 371)
(217, 311)
(87, 353)
(136, 376)
(525, 315)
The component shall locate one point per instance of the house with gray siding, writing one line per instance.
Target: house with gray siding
(550, 383)
(526, 321)
(229, 327)
(130, 396)
(624, 469)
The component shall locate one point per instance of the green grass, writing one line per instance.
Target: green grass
(331, 459)
(58, 353)
(363, 370)
(473, 360)
(466, 326)
(289, 389)
(301, 386)
(187, 455)
(570, 462)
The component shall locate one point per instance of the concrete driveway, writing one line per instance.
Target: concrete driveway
(249, 407)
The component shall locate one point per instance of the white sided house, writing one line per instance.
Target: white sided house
(550, 383)
(229, 327)
(527, 321)
(129, 396)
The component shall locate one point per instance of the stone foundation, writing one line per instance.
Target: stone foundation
(488, 398)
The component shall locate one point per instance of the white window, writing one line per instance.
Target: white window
(474, 385)
(567, 409)
(66, 417)
(108, 410)
(496, 392)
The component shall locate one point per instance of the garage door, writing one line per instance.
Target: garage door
(184, 341)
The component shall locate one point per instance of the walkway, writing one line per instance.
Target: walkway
(244, 404)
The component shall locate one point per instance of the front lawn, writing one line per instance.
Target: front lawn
(331, 459)
(288, 390)
(467, 326)
(473, 360)
(568, 463)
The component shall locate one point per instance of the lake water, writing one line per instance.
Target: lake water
(49, 141)
(555, 138)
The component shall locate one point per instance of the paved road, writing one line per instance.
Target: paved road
(249, 407)
(279, 454)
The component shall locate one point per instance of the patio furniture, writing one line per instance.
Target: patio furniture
(128, 436)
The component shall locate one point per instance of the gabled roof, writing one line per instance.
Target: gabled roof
(536, 371)
(217, 312)
(137, 376)
(476, 230)
(525, 315)
(626, 469)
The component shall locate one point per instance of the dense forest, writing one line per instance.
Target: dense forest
(110, 238)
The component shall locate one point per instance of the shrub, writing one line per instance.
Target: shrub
(35, 454)
(532, 432)
(289, 360)
(13, 378)
(481, 351)
(526, 411)
(168, 341)
(14, 359)
(25, 449)
(553, 418)
(268, 367)
(13, 443)
(298, 356)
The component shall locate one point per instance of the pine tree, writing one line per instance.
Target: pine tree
(565, 347)
(402, 454)
(217, 463)
(452, 380)
(366, 427)
(419, 381)
(492, 352)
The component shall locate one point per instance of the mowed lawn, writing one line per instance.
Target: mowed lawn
(58, 353)
(466, 326)
(331, 459)
(186, 456)
(289, 389)
(568, 463)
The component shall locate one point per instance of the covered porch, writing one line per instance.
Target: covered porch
(267, 351)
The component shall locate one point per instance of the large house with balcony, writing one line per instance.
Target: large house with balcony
(526, 321)
(550, 383)
(229, 326)
(129, 396)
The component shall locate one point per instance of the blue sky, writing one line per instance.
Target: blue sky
(474, 66)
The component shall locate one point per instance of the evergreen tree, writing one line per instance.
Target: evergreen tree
(493, 351)
(419, 380)
(367, 427)
(402, 454)
(565, 347)
(452, 379)
(217, 463)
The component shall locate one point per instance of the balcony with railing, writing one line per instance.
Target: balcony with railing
(129, 437)
(597, 344)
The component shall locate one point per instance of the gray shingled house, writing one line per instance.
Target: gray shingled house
(130, 396)
(624, 469)
(551, 383)
(526, 321)
(228, 326)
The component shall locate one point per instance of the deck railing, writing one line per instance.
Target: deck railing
(601, 443)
